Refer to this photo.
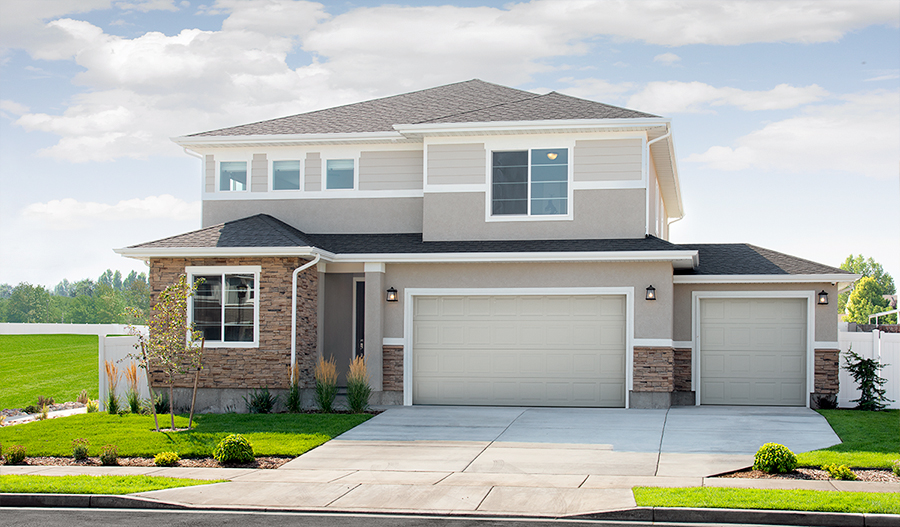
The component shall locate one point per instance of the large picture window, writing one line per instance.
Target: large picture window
(285, 175)
(224, 307)
(530, 182)
(339, 174)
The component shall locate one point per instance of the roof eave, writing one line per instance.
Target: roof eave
(145, 253)
(287, 139)
(765, 278)
(411, 130)
(679, 259)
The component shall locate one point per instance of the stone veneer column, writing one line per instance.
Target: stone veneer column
(826, 383)
(374, 334)
(654, 377)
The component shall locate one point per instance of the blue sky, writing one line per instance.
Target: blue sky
(786, 114)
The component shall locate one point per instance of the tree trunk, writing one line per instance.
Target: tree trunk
(196, 381)
(150, 387)
(172, 402)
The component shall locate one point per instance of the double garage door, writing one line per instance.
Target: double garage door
(753, 351)
(519, 350)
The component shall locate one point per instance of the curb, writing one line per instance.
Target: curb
(637, 514)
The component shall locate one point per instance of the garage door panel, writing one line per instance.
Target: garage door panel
(753, 351)
(543, 350)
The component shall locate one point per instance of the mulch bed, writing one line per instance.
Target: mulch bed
(807, 473)
(260, 462)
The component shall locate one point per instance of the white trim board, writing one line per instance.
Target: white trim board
(653, 343)
(762, 278)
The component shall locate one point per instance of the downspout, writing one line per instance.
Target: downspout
(192, 154)
(296, 272)
(647, 204)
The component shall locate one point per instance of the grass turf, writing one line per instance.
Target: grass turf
(134, 435)
(769, 499)
(869, 439)
(93, 484)
(57, 366)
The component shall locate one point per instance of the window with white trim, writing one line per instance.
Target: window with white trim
(232, 176)
(339, 174)
(224, 307)
(531, 182)
(286, 175)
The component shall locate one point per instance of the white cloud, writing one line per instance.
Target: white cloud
(859, 136)
(692, 97)
(68, 214)
(9, 108)
(667, 58)
(148, 5)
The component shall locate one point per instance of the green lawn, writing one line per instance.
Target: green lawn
(134, 435)
(792, 500)
(870, 439)
(57, 366)
(93, 484)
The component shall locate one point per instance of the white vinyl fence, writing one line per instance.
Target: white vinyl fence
(874, 345)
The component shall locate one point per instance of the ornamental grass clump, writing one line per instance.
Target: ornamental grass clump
(773, 458)
(132, 396)
(293, 400)
(235, 448)
(80, 448)
(839, 471)
(358, 389)
(45, 413)
(260, 401)
(14, 455)
(112, 381)
(166, 459)
(326, 384)
(83, 397)
(109, 456)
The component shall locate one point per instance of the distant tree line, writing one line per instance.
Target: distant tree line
(103, 301)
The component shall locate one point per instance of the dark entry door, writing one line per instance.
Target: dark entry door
(360, 337)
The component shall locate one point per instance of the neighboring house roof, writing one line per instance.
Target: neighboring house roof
(746, 259)
(469, 101)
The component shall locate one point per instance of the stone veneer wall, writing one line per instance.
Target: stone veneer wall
(392, 368)
(682, 369)
(269, 364)
(826, 371)
(653, 369)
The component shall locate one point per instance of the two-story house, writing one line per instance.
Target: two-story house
(483, 245)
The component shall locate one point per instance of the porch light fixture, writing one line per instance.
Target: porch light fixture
(823, 298)
(651, 293)
(391, 295)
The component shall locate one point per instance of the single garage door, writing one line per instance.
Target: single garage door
(519, 350)
(753, 351)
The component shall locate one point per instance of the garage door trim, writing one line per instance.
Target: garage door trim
(696, 296)
(409, 295)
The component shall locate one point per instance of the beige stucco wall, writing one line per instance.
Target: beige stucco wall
(325, 216)
(652, 319)
(596, 214)
(825, 316)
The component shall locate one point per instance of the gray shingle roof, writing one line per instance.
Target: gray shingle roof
(261, 230)
(743, 258)
(469, 101)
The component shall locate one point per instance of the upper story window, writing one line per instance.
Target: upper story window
(530, 182)
(224, 307)
(233, 175)
(339, 174)
(285, 175)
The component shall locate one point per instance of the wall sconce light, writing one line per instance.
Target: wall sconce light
(391, 295)
(651, 293)
(823, 298)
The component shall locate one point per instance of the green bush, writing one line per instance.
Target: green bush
(773, 457)
(80, 448)
(839, 471)
(92, 406)
(45, 401)
(166, 459)
(895, 467)
(14, 455)
(260, 401)
(161, 403)
(109, 455)
(870, 384)
(32, 409)
(234, 449)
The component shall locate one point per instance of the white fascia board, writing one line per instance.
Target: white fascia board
(221, 252)
(762, 278)
(528, 126)
(679, 259)
(287, 139)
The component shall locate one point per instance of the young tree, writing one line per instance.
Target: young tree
(867, 268)
(866, 299)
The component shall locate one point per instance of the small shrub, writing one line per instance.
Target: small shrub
(112, 404)
(234, 449)
(45, 412)
(112, 381)
(326, 384)
(896, 467)
(260, 401)
(358, 389)
(773, 457)
(93, 406)
(839, 471)
(45, 401)
(123, 411)
(826, 402)
(80, 448)
(870, 384)
(109, 455)
(31, 409)
(166, 459)
(83, 397)
(132, 397)
(293, 400)
(161, 403)
(14, 455)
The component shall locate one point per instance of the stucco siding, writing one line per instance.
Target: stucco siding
(325, 216)
(825, 316)
(259, 173)
(596, 214)
(456, 164)
(391, 170)
(313, 173)
(608, 160)
(652, 319)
